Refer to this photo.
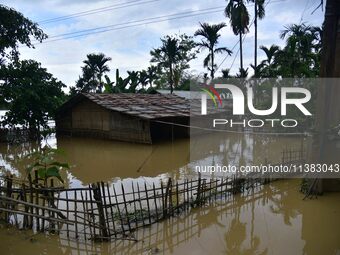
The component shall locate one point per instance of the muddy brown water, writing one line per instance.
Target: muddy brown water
(273, 220)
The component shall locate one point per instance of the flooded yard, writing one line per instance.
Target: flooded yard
(274, 221)
(263, 222)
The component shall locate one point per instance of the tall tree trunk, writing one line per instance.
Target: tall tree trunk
(255, 26)
(171, 79)
(100, 83)
(212, 71)
(241, 51)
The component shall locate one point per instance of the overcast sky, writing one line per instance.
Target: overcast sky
(129, 47)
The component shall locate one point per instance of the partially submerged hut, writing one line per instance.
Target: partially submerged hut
(140, 118)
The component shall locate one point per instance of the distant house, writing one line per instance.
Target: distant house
(140, 118)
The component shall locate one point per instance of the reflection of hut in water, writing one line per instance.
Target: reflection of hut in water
(94, 159)
(138, 118)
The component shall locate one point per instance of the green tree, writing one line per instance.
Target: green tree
(238, 14)
(16, 29)
(301, 55)
(32, 95)
(173, 57)
(210, 33)
(92, 73)
(268, 65)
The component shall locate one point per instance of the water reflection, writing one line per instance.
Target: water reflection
(100, 160)
(243, 225)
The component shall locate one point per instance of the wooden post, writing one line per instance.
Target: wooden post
(31, 200)
(86, 210)
(198, 196)
(105, 207)
(9, 183)
(24, 198)
(52, 223)
(98, 199)
(75, 213)
(92, 211)
(177, 197)
(134, 204)
(67, 213)
(162, 192)
(111, 210)
(188, 192)
(147, 201)
(165, 211)
(37, 200)
(155, 200)
(170, 199)
(126, 210)
(118, 209)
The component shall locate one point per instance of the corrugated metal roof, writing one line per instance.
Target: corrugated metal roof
(146, 106)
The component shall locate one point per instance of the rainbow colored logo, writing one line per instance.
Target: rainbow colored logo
(211, 91)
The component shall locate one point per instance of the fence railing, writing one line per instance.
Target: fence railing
(104, 211)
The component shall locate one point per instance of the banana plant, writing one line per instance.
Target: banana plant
(121, 83)
(108, 85)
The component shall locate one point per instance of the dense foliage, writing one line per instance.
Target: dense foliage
(32, 94)
(15, 29)
(173, 57)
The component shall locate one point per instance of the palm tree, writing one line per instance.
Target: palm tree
(168, 55)
(152, 73)
(226, 73)
(210, 34)
(259, 11)
(97, 63)
(268, 63)
(237, 12)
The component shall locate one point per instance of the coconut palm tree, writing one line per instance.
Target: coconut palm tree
(238, 14)
(97, 63)
(259, 13)
(210, 34)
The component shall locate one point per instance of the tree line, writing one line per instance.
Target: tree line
(32, 95)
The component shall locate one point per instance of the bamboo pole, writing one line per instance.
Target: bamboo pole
(98, 199)
(111, 210)
(118, 209)
(155, 200)
(105, 207)
(126, 210)
(147, 202)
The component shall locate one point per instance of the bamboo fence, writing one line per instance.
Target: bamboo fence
(103, 211)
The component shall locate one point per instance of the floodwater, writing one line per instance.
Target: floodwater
(273, 220)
